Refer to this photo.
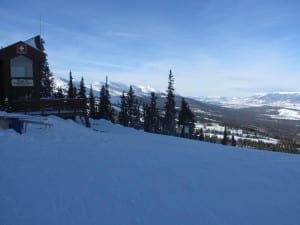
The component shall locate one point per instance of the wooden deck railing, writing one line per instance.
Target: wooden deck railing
(60, 107)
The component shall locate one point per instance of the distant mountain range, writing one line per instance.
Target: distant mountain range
(277, 114)
(289, 100)
(277, 99)
(280, 99)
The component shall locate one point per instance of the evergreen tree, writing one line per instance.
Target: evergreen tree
(225, 138)
(136, 120)
(105, 108)
(153, 114)
(102, 103)
(80, 94)
(123, 114)
(109, 105)
(186, 116)
(47, 82)
(233, 141)
(71, 88)
(201, 135)
(146, 115)
(82, 91)
(133, 109)
(92, 108)
(131, 104)
(170, 111)
(75, 92)
(59, 93)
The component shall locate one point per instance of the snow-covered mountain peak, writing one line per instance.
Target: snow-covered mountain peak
(146, 89)
(116, 88)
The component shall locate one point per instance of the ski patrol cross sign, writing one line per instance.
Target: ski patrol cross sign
(21, 49)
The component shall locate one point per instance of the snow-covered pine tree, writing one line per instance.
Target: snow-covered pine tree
(170, 111)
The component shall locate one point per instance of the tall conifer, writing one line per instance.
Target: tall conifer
(133, 109)
(47, 82)
(225, 138)
(82, 91)
(185, 117)
(153, 114)
(92, 108)
(105, 108)
(123, 114)
(201, 135)
(233, 141)
(170, 111)
(71, 87)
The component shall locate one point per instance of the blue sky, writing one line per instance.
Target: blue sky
(217, 47)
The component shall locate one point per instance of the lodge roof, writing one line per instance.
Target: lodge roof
(34, 43)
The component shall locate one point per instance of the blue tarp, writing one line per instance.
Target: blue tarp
(17, 125)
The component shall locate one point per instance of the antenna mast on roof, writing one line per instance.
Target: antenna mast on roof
(40, 25)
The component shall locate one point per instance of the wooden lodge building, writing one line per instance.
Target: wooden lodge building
(21, 82)
(20, 70)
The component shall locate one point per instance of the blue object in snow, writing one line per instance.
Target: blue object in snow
(17, 125)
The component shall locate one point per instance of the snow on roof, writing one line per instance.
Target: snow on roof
(33, 42)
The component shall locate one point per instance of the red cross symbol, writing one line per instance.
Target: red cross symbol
(21, 49)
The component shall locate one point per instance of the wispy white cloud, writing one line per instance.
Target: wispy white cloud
(123, 35)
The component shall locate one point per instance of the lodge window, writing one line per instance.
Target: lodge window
(21, 66)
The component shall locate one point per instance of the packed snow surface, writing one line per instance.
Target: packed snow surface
(68, 174)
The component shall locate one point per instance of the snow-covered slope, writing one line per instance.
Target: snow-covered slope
(69, 174)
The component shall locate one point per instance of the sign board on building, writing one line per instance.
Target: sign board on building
(22, 83)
